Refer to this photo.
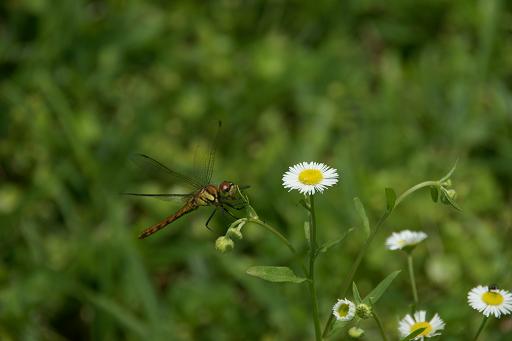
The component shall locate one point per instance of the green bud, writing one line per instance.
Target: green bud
(234, 233)
(355, 332)
(235, 229)
(224, 244)
(363, 311)
(447, 183)
(451, 193)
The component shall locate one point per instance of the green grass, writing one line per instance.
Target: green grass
(389, 94)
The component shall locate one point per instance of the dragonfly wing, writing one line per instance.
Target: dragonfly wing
(161, 196)
(209, 161)
(148, 164)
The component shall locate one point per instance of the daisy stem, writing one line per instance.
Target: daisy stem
(379, 324)
(362, 251)
(413, 281)
(312, 257)
(274, 231)
(482, 326)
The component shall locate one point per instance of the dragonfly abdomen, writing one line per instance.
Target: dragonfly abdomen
(188, 207)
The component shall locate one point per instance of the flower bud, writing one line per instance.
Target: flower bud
(355, 332)
(447, 183)
(224, 244)
(452, 194)
(234, 233)
(363, 311)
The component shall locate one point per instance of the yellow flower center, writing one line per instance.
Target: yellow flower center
(311, 176)
(419, 325)
(492, 298)
(343, 310)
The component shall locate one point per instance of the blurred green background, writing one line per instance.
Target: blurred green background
(390, 93)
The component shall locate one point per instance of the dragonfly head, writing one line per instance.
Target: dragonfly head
(227, 189)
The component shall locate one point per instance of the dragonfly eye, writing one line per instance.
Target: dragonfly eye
(226, 186)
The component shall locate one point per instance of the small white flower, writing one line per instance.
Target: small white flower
(490, 301)
(405, 238)
(344, 310)
(310, 177)
(409, 324)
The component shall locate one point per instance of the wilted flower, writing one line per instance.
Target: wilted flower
(355, 332)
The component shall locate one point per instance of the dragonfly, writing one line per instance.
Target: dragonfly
(223, 197)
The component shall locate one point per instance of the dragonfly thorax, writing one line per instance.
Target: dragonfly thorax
(208, 195)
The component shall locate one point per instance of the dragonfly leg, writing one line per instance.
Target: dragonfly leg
(210, 218)
(235, 207)
(227, 211)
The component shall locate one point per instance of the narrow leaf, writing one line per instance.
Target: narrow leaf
(377, 292)
(362, 214)
(330, 244)
(355, 293)
(412, 335)
(434, 193)
(275, 274)
(390, 198)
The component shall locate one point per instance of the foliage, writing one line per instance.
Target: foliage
(389, 93)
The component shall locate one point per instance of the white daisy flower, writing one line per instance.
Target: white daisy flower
(344, 310)
(409, 324)
(310, 177)
(403, 239)
(490, 300)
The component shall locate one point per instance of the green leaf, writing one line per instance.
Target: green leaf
(377, 292)
(362, 214)
(449, 174)
(390, 198)
(275, 274)
(330, 244)
(446, 198)
(355, 293)
(412, 335)
(434, 193)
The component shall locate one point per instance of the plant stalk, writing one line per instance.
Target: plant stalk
(413, 281)
(274, 231)
(312, 258)
(481, 328)
(379, 324)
